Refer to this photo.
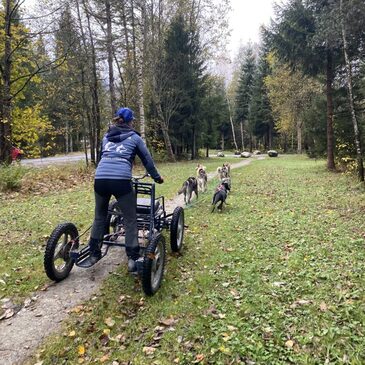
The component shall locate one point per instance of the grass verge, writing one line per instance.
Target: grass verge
(277, 278)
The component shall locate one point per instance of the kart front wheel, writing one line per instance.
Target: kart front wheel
(177, 229)
(153, 265)
(57, 260)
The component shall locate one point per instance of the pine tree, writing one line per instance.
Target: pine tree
(260, 110)
(244, 93)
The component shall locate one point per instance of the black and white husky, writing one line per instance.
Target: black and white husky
(189, 186)
(220, 195)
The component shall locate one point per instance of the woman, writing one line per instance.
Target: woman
(113, 177)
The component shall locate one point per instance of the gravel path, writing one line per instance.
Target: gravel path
(21, 334)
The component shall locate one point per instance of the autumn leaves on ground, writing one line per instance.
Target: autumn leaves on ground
(276, 278)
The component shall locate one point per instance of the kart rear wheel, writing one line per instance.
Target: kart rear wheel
(153, 265)
(57, 260)
(177, 229)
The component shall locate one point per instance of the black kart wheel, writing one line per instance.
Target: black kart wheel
(114, 219)
(153, 265)
(177, 229)
(57, 261)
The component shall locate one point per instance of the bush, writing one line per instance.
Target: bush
(11, 177)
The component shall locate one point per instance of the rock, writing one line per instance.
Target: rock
(237, 153)
(220, 154)
(246, 154)
(257, 152)
(272, 153)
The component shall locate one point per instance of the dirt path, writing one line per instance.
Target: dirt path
(24, 332)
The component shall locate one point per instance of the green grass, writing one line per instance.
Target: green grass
(26, 221)
(277, 278)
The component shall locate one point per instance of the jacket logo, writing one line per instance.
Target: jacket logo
(111, 146)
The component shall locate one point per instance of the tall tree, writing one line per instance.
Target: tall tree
(298, 40)
(244, 93)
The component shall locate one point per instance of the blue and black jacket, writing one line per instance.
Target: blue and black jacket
(120, 146)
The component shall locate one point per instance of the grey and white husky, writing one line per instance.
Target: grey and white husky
(189, 186)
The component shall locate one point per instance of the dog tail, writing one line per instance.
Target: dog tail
(183, 189)
(215, 201)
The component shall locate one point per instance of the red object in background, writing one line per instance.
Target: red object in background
(16, 153)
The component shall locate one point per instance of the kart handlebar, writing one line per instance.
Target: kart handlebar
(137, 178)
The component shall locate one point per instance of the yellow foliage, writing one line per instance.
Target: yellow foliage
(30, 129)
(290, 93)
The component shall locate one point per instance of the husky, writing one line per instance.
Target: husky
(220, 196)
(202, 178)
(227, 165)
(189, 186)
(222, 172)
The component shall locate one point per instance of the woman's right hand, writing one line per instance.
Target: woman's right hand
(160, 180)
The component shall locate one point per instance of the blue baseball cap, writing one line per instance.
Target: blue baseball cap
(125, 113)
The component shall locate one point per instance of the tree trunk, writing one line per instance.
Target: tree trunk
(165, 134)
(232, 126)
(94, 91)
(242, 142)
(330, 134)
(67, 136)
(109, 40)
(140, 63)
(299, 137)
(193, 146)
(89, 126)
(270, 134)
(207, 151)
(360, 163)
(5, 108)
(166, 137)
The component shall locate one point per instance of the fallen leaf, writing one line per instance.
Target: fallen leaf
(168, 322)
(104, 358)
(289, 344)
(278, 283)
(149, 350)
(72, 334)
(226, 285)
(323, 307)
(109, 322)
(81, 350)
(225, 350)
(199, 358)
(104, 339)
(299, 302)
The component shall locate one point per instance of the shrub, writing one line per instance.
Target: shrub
(11, 177)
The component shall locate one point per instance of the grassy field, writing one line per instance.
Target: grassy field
(277, 278)
(50, 196)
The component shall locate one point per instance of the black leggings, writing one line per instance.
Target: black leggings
(126, 198)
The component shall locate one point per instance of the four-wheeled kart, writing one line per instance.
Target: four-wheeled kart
(64, 249)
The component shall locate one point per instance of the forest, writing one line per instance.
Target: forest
(65, 69)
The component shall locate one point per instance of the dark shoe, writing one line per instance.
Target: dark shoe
(91, 260)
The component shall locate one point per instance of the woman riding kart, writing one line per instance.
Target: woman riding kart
(113, 177)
